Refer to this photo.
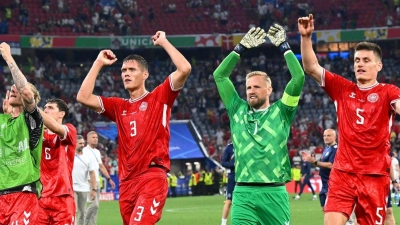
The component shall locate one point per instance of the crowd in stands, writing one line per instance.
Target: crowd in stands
(142, 17)
(199, 99)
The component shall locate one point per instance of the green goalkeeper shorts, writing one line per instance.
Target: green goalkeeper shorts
(255, 205)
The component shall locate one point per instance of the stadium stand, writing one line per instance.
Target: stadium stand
(199, 101)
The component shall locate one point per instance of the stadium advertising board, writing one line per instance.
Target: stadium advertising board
(182, 145)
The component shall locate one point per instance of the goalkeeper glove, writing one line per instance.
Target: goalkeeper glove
(277, 35)
(253, 38)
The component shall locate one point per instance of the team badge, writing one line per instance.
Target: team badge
(143, 106)
(373, 97)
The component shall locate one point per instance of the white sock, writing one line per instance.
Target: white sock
(223, 221)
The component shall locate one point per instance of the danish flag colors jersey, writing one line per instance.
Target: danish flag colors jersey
(57, 162)
(143, 128)
(365, 116)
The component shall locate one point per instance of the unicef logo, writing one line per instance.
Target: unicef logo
(373, 97)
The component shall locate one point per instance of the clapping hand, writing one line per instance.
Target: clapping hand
(276, 34)
(253, 38)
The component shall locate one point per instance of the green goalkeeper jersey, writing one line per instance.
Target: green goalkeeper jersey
(19, 164)
(260, 136)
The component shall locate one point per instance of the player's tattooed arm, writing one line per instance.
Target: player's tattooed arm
(19, 79)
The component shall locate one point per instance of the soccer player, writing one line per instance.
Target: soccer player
(83, 166)
(228, 161)
(306, 175)
(94, 154)
(21, 139)
(325, 163)
(57, 204)
(260, 131)
(365, 111)
(143, 128)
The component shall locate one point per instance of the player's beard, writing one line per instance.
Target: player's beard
(256, 103)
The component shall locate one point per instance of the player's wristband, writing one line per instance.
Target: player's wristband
(316, 163)
(108, 178)
(239, 49)
(394, 181)
(284, 47)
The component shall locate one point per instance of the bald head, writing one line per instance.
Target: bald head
(330, 137)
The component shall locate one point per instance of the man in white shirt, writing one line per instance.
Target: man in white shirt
(90, 149)
(83, 168)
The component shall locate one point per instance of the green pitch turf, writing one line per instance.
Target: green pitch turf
(206, 210)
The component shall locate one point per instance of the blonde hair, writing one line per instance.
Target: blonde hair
(259, 73)
(35, 92)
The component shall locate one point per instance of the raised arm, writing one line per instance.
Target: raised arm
(225, 86)
(291, 95)
(52, 124)
(310, 61)
(85, 94)
(20, 81)
(183, 67)
(252, 39)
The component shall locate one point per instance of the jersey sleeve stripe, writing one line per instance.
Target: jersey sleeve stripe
(101, 105)
(65, 133)
(392, 103)
(164, 117)
(172, 84)
(323, 78)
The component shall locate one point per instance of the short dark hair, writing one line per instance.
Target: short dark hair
(139, 59)
(62, 106)
(79, 137)
(369, 47)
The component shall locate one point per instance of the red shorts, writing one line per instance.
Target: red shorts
(19, 208)
(142, 199)
(368, 192)
(56, 210)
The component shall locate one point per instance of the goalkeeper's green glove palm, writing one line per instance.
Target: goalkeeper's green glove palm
(277, 35)
(253, 38)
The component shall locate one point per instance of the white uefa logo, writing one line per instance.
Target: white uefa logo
(373, 97)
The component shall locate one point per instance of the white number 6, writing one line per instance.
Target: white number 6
(47, 153)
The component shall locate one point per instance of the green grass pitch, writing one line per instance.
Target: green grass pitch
(206, 210)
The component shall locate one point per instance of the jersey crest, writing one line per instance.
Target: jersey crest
(143, 106)
(373, 97)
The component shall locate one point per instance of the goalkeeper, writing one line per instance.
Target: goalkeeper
(260, 131)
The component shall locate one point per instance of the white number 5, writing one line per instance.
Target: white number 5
(133, 128)
(379, 215)
(361, 118)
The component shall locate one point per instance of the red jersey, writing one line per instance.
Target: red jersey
(143, 128)
(365, 116)
(57, 162)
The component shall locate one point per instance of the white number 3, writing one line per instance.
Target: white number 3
(360, 119)
(133, 128)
